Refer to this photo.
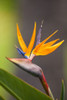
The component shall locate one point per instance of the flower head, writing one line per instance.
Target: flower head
(41, 48)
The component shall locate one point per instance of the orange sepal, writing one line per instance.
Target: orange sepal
(48, 44)
(31, 41)
(40, 44)
(48, 50)
(21, 41)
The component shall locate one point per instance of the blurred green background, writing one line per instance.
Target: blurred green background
(25, 12)
(8, 20)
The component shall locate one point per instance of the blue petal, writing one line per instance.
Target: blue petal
(21, 52)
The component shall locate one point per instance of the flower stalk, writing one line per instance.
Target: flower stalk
(46, 86)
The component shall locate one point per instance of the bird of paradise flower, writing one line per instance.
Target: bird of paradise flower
(41, 48)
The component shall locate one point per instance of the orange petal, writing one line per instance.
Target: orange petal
(21, 41)
(31, 41)
(48, 44)
(48, 50)
(39, 45)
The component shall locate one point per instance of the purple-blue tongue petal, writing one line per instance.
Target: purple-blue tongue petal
(21, 52)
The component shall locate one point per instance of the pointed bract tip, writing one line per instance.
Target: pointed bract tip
(14, 60)
(16, 24)
(56, 31)
(62, 41)
(8, 58)
(35, 22)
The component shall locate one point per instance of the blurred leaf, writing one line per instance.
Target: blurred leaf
(19, 89)
(8, 5)
(62, 91)
(1, 98)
